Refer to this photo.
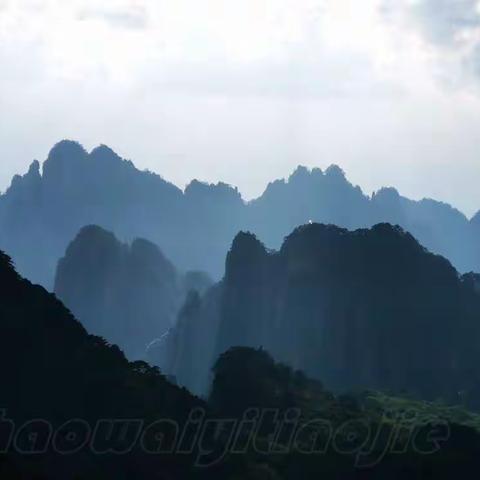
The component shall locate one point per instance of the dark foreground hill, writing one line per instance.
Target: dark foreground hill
(315, 434)
(73, 408)
(45, 208)
(128, 294)
(363, 309)
(54, 371)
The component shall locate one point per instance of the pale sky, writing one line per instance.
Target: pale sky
(243, 91)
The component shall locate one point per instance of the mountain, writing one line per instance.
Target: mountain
(55, 372)
(328, 197)
(42, 211)
(187, 352)
(73, 408)
(128, 294)
(370, 308)
(355, 436)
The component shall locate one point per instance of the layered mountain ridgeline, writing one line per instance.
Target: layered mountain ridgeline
(72, 407)
(42, 211)
(62, 389)
(128, 294)
(328, 197)
(363, 309)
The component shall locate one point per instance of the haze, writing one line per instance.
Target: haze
(245, 91)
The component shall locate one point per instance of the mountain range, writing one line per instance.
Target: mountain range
(370, 308)
(328, 307)
(42, 211)
(74, 408)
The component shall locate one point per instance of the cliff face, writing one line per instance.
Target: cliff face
(369, 308)
(42, 211)
(129, 294)
(188, 351)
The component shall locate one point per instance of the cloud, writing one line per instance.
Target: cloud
(449, 31)
(131, 17)
(290, 78)
(446, 22)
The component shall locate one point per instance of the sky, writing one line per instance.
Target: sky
(244, 91)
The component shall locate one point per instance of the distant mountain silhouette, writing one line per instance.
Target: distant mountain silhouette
(128, 294)
(369, 308)
(42, 211)
(327, 197)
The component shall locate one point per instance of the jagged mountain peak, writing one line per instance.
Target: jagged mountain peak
(247, 241)
(64, 161)
(105, 153)
(305, 180)
(303, 172)
(317, 233)
(199, 189)
(94, 232)
(94, 245)
(34, 168)
(300, 173)
(386, 193)
(31, 177)
(334, 171)
(245, 257)
(68, 158)
(66, 149)
(315, 228)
